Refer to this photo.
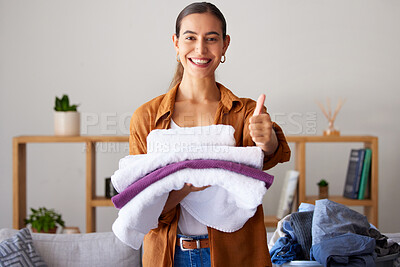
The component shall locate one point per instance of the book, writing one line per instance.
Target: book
(287, 193)
(353, 175)
(367, 193)
(365, 175)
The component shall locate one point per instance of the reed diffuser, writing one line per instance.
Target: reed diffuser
(331, 116)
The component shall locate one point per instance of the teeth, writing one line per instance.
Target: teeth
(200, 61)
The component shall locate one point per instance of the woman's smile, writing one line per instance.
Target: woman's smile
(200, 62)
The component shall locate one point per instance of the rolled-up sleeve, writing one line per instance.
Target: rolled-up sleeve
(281, 154)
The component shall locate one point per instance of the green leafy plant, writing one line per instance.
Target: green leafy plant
(44, 219)
(63, 104)
(322, 182)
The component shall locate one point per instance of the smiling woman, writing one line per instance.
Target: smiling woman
(196, 99)
(213, 36)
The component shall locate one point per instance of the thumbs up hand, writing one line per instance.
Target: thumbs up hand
(261, 131)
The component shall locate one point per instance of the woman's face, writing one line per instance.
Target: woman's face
(200, 45)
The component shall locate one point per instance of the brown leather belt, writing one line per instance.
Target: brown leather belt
(186, 243)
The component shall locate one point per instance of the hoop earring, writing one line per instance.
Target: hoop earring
(223, 61)
(177, 58)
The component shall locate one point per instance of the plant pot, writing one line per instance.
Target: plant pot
(67, 123)
(51, 231)
(323, 192)
(71, 230)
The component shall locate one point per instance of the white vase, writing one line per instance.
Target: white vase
(67, 123)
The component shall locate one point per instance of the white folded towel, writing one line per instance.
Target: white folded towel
(226, 206)
(187, 139)
(134, 167)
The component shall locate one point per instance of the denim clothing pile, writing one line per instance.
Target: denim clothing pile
(340, 237)
(345, 250)
(285, 250)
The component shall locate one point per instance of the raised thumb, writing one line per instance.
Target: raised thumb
(260, 105)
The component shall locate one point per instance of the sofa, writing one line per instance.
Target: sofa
(92, 249)
(104, 249)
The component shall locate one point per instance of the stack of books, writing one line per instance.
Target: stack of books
(358, 178)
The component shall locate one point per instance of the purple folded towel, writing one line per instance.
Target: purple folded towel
(131, 191)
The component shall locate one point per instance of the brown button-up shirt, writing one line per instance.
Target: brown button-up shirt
(248, 245)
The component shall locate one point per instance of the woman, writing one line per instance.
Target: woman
(196, 99)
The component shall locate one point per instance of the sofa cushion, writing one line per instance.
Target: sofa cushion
(19, 250)
(93, 249)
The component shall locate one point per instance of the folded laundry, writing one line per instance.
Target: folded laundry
(134, 167)
(226, 206)
(201, 156)
(125, 196)
(187, 138)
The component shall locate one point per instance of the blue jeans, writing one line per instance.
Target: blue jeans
(192, 258)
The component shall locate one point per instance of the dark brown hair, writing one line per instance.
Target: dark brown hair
(195, 8)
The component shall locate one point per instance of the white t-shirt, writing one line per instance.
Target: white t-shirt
(187, 224)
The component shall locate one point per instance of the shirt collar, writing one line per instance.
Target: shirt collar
(228, 100)
(167, 104)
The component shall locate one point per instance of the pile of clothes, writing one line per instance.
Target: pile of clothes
(202, 156)
(330, 233)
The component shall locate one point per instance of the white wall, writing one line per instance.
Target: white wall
(111, 56)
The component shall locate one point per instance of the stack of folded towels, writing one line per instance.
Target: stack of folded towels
(201, 156)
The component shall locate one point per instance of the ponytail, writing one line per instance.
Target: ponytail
(177, 76)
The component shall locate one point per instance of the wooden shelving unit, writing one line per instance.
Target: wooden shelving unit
(19, 174)
(299, 154)
(93, 201)
(370, 205)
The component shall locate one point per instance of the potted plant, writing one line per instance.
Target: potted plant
(66, 117)
(323, 189)
(44, 220)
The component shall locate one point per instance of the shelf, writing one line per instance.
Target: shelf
(93, 201)
(102, 202)
(299, 154)
(270, 221)
(20, 173)
(69, 139)
(333, 139)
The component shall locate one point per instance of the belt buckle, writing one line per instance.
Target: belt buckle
(188, 239)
